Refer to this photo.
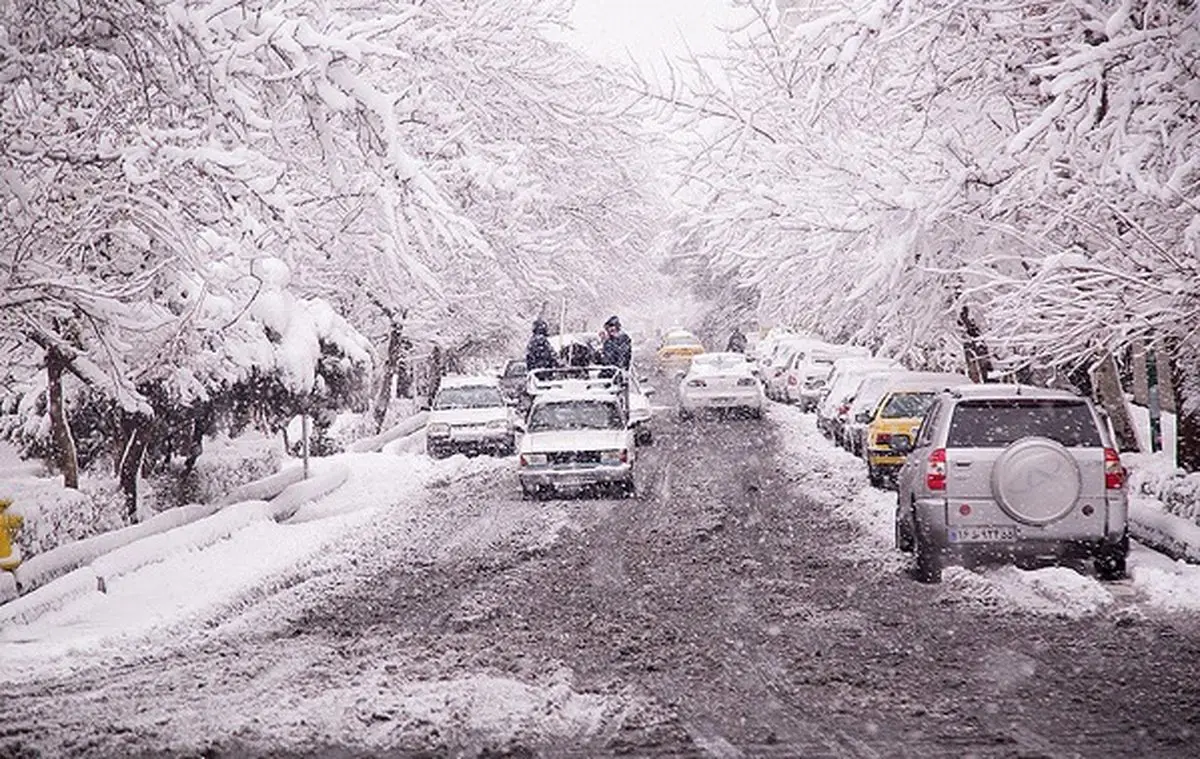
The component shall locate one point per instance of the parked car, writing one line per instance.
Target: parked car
(1011, 472)
(861, 410)
(676, 351)
(721, 382)
(576, 439)
(841, 385)
(773, 370)
(807, 374)
(894, 422)
(469, 415)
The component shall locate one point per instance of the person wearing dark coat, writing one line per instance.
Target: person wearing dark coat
(737, 342)
(618, 348)
(539, 354)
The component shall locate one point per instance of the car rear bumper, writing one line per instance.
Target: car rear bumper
(884, 459)
(1030, 541)
(731, 399)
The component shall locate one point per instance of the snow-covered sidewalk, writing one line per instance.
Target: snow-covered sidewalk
(838, 479)
(168, 590)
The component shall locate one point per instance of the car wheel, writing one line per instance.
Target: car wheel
(1110, 562)
(875, 476)
(929, 558)
(756, 413)
(527, 494)
(904, 537)
(643, 436)
(628, 489)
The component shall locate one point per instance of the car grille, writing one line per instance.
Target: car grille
(574, 457)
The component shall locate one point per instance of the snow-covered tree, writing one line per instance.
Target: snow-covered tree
(1018, 180)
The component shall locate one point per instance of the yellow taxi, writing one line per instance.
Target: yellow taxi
(678, 347)
(895, 420)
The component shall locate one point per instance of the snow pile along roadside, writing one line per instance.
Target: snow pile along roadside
(1164, 505)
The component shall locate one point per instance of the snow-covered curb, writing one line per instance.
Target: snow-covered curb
(52, 577)
(1175, 536)
(405, 428)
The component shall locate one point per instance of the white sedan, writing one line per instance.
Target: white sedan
(720, 382)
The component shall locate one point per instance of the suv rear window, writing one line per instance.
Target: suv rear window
(996, 423)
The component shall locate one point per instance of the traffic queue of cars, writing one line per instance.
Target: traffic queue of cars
(983, 472)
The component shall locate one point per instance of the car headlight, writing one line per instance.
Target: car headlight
(438, 430)
(613, 457)
(533, 459)
(498, 424)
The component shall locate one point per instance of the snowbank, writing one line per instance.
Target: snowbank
(1164, 504)
(405, 428)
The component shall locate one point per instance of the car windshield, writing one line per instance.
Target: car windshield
(575, 415)
(996, 423)
(468, 397)
(907, 405)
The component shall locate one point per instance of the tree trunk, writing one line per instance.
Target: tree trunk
(1107, 391)
(979, 360)
(65, 454)
(135, 432)
(1187, 417)
(394, 368)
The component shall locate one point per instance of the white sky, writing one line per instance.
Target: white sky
(648, 30)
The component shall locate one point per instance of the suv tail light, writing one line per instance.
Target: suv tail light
(935, 471)
(1114, 473)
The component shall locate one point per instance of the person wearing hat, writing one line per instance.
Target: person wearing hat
(539, 354)
(618, 348)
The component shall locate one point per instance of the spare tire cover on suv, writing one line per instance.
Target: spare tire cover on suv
(1036, 480)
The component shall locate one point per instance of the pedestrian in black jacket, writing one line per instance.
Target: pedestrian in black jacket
(618, 348)
(539, 354)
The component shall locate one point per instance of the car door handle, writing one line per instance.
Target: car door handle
(962, 463)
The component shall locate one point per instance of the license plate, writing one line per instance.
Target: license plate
(573, 482)
(982, 534)
(720, 401)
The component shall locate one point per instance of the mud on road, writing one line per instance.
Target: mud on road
(718, 614)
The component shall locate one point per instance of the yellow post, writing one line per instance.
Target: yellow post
(10, 552)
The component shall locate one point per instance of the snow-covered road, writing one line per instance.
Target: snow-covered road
(424, 606)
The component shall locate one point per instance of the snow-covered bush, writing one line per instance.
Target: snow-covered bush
(226, 464)
(1152, 475)
(55, 515)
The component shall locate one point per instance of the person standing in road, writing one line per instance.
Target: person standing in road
(737, 342)
(617, 349)
(539, 354)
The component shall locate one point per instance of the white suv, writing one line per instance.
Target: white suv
(1008, 472)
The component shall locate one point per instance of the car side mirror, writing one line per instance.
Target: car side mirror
(648, 391)
(519, 425)
(901, 444)
(863, 417)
